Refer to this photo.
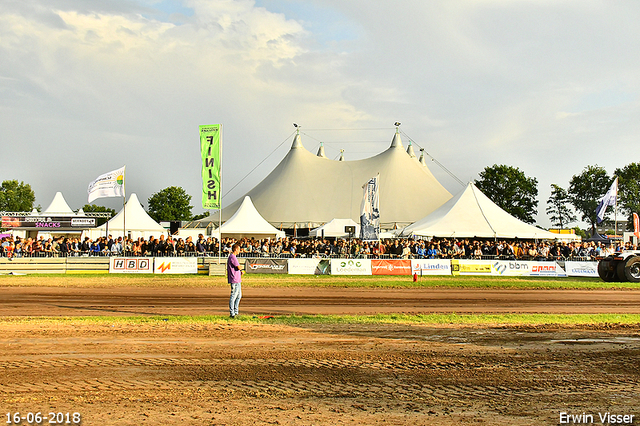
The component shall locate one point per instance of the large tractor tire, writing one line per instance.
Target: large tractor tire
(607, 269)
(630, 269)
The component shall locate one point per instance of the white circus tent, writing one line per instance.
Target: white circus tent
(307, 190)
(471, 214)
(247, 222)
(138, 223)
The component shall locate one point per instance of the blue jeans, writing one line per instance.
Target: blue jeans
(234, 299)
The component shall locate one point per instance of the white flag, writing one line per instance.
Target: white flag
(107, 185)
(609, 199)
(370, 210)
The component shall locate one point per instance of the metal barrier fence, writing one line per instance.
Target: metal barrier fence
(291, 256)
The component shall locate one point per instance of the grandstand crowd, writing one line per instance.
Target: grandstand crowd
(444, 248)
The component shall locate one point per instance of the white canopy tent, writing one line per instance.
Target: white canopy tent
(247, 222)
(138, 223)
(471, 214)
(58, 207)
(335, 228)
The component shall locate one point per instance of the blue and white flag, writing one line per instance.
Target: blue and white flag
(370, 210)
(609, 199)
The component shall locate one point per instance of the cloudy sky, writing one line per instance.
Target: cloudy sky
(549, 86)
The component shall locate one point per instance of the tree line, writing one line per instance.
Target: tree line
(507, 186)
(517, 194)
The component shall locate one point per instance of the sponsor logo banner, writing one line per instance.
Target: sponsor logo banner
(526, 268)
(390, 267)
(350, 266)
(266, 266)
(470, 267)
(130, 265)
(431, 266)
(47, 222)
(581, 269)
(309, 266)
(175, 265)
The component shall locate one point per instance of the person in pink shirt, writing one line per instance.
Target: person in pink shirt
(234, 278)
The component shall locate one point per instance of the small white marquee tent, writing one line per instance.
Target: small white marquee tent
(138, 223)
(247, 222)
(472, 214)
(58, 207)
(335, 228)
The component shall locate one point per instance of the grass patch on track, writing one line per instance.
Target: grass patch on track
(297, 320)
(275, 280)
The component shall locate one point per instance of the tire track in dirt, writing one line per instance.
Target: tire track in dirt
(392, 385)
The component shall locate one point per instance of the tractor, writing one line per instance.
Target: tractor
(620, 266)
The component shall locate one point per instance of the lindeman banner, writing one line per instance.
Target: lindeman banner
(211, 154)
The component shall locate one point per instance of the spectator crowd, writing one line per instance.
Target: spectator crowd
(445, 248)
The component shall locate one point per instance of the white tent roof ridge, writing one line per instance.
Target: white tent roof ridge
(58, 206)
(248, 221)
(136, 218)
(470, 213)
(321, 151)
(473, 190)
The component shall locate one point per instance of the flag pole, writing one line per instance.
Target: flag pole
(220, 211)
(124, 205)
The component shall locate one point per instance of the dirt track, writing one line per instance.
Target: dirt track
(56, 301)
(165, 373)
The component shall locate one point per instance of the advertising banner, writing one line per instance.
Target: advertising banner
(526, 268)
(309, 266)
(390, 267)
(131, 265)
(48, 222)
(350, 267)
(266, 266)
(512, 268)
(470, 267)
(175, 265)
(370, 210)
(431, 267)
(211, 155)
(581, 269)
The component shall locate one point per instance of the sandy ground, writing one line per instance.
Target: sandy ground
(233, 373)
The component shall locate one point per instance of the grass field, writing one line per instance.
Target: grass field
(277, 280)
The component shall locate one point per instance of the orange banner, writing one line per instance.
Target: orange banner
(390, 267)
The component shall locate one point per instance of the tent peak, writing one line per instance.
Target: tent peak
(321, 151)
(410, 150)
(297, 142)
(397, 141)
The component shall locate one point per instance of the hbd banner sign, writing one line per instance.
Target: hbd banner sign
(130, 265)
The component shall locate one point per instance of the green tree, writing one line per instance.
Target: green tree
(629, 191)
(557, 207)
(171, 203)
(586, 190)
(16, 197)
(92, 208)
(511, 190)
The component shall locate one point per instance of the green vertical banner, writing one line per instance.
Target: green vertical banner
(211, 153)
